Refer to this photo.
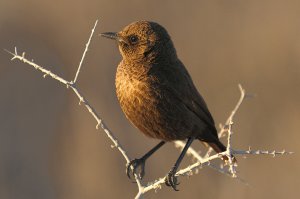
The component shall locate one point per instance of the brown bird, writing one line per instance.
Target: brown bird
(157, 94)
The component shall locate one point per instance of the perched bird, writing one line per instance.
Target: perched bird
(157, 94)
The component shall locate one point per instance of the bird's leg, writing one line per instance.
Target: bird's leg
(140, 162)
(171, 179)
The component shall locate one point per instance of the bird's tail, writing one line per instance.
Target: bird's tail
(219, 147)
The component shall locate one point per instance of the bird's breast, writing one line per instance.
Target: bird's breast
(138, 100)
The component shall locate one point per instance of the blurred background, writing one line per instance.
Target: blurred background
(49, 147)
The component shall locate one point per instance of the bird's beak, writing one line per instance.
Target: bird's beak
(113, 35)
(110, 35)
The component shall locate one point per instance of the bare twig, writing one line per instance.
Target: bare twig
(84, 52)
(224, 128)
(200, 159)
(228, 151)
(262, 152)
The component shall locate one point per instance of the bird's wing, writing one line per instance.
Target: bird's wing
(177, 81)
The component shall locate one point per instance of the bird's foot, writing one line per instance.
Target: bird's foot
(136, 163)
(171, 179)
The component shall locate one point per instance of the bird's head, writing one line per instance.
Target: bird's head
(143, 41)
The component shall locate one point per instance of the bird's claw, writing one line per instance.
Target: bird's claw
(171, 180)
(135, 164)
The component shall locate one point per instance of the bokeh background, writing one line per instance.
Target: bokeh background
(49, 147)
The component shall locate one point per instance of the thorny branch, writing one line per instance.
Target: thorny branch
(201, 160)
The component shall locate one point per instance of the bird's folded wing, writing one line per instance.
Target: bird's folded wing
(180, 86)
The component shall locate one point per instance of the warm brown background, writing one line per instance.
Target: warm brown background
(49, 147)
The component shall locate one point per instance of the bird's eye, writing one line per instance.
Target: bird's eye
(133, 39)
